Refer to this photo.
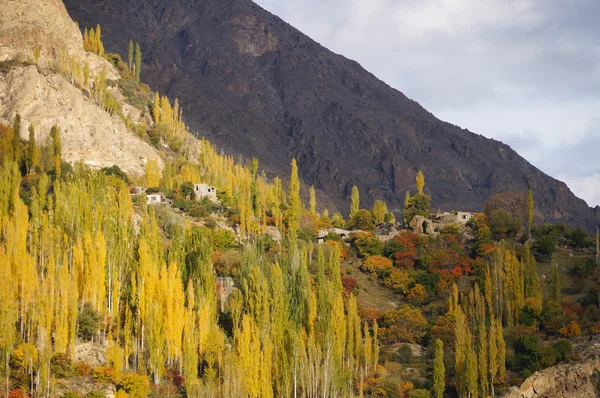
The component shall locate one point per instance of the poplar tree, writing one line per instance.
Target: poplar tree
(420, 181)
(379, 211)
(56, 150)
(354, 201)
(313, 200)
(295, 205)
(33, 151)
(138, 62)
(17, 139)
(530, 210)
(130, 54)
(439, 371)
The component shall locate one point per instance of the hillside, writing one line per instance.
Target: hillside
(251, 83)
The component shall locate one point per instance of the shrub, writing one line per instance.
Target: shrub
(104, 374)
(399, 280)
(366, 244)
(563, 348)
(82, 368)
(95, 394)
(137, 386)
(88, 321)
(61, 366)
(376, 264)
(420, 393)
(70, 394)
(417, 294)
(18, 393)
(571, 330)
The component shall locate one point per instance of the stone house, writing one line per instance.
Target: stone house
(202, 191)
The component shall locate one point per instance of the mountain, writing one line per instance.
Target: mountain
(254, 85)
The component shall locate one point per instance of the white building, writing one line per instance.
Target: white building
(202, 191)
(154, 198)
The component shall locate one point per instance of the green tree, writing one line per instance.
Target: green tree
(530, 209)
(295, 207)
(439, 371)
(33, 151)
(354, 201)
(130, 54)
(138, 62)
(380, 211)
(56, 150)
(17, 139)
(420, 181)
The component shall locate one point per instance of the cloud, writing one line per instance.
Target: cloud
(525, 72)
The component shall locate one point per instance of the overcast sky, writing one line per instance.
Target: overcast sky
(526, 72)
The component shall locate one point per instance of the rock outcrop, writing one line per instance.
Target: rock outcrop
(253, 84)
(578, 380)
(44, 98)
(43, 25)
(571, 380)
(88, 133)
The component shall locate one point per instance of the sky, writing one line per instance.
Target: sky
(525, 72)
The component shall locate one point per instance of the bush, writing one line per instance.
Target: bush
(117, 172)
(405, 354)
(362, 220)
(95, 394)
(366, 244)
(82, 369)
(563, 348)
(61, 366)
(70, 394)
(88, 321)
(376, 264)
(571, 330)
(137, 386)
(104, 374)
(420, 393)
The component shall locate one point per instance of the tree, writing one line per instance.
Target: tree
(362, 220)
(420, 181)
(354, 201)
(152, 173)
(312, 200)
(439, 377)
(130, 54)
(33, 151)
(138, 62)
(295, 207)
(417, 205)
(380, 211)
(530, 209)
(56, 150)
(555, 283)
(17, 139)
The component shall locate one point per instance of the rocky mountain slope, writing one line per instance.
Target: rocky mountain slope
(573, 380)
(44, 97)
(254, 85)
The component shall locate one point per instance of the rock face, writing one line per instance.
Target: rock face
(567, 381)
(44, 98)
(254, 85)
(88, 133)
(572, 380)
(422, 225)
(43, 24)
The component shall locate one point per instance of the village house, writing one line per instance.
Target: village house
(202, 191)
(155, 198)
